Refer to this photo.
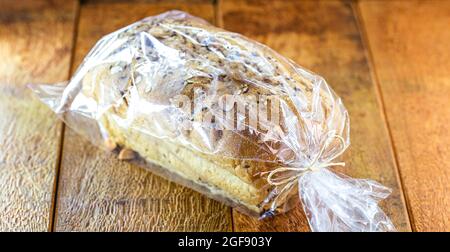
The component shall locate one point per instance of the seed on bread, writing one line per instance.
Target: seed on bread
(126, 154)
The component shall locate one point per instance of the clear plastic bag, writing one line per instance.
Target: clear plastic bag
(222, 114)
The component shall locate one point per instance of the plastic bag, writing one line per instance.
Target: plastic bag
(222, 114)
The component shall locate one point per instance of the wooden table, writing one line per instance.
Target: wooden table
(388, 60)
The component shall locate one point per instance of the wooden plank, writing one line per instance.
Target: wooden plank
(99, 193)
(409, 44)
(35, 45)
(323, 36)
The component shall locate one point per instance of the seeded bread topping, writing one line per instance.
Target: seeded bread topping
(139, 70)
(223, 115)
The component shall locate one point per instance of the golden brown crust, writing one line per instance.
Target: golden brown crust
(213, 61)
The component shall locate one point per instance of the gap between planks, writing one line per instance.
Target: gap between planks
(381, 102)
(53, 209)
(60, 194)
(218, 21)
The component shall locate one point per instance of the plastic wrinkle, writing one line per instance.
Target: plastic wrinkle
(175, 78)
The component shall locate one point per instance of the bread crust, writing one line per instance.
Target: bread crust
(172, 55)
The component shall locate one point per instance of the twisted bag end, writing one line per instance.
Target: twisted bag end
(335, 203)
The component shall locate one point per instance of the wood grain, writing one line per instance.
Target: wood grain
(35, 47)
(409, 44)
(99, 193)
(323, 36)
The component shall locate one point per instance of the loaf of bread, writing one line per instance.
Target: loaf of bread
(133, 79)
